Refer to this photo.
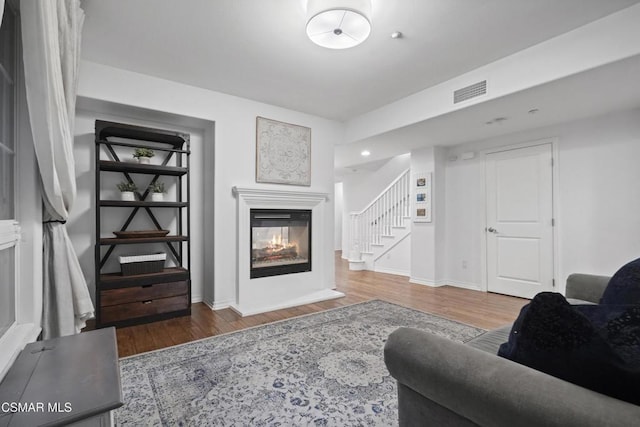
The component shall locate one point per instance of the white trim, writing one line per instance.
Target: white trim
(465, 285)
(261, 194)
(392, 271)
(427, 282)
(553, 141)
(218, 305)
(324, 295)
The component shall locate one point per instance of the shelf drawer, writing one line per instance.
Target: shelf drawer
(116, 313)
(142, 293)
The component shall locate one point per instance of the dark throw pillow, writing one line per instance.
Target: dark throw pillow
(624, 286)
(593, 346)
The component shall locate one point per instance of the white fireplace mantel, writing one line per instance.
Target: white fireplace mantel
(257, 194)
(276, 292)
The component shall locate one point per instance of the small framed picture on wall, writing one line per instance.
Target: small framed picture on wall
(422, 200)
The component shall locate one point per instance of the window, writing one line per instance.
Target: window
(9, 230)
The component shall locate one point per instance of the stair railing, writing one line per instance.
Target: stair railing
(386, 211)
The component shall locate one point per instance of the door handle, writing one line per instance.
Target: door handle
(492, 230)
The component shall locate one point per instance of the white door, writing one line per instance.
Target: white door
(519, 225)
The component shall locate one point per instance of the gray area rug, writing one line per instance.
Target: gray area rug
(320, 369)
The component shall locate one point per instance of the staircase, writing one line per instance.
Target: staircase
(384, 223)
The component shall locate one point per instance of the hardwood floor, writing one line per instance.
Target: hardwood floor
(484, 310)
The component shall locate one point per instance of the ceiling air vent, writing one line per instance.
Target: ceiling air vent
(469, 92)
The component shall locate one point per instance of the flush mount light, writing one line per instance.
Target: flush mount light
(338, 24)
(365, 153)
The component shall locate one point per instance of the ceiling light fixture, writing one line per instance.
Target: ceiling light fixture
(365, 153)
(338, 24)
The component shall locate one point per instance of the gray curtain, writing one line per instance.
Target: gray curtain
(51, 31)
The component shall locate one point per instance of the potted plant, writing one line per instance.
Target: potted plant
(157, 191)
(143, 155)
(127, 190)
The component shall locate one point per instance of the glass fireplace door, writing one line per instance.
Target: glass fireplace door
(280, 242)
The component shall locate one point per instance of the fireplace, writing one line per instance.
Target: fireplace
(280, 242)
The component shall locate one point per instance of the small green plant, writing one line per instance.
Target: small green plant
(127, 186)
(143, 152)
(157, 187)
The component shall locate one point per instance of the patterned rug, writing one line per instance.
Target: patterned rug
(321, 369)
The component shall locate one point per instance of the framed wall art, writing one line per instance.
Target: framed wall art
(283, 153)
(422, 197)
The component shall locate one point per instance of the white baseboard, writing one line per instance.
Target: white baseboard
(323, 295)
(196, 298)
(446, 282)
(218, 305)
(465, 285)
(425, 282)
(392, 271)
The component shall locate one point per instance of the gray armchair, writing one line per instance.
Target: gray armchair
(443, 383)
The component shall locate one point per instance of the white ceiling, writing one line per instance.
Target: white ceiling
(258, 49)
(602, 90)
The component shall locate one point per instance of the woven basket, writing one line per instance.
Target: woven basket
(131, 265)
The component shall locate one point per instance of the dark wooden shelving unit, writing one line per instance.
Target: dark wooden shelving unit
(138, 240)
(141, 204)
(129, 300)
(138, 168)
(171, 274)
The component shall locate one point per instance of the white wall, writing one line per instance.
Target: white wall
(338, 212)
(427, 238)
(234, 157)
(598, 202)
(464, 207)
(397, 260)
(438, 201)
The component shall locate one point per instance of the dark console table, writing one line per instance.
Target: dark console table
(73, 380)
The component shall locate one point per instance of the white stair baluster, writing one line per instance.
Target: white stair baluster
(381, 217)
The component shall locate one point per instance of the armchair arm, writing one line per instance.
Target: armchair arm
(587, 287)
(492, 391)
